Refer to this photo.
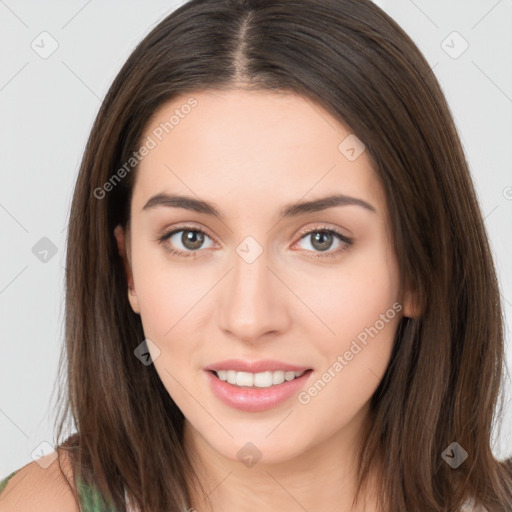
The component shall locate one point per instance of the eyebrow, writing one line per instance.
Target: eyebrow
(290, 210)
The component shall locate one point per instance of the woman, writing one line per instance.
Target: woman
(280, 293)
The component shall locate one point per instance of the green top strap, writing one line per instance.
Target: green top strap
(91, 499)
(3, 482)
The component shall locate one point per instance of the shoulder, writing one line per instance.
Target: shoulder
(41, 486)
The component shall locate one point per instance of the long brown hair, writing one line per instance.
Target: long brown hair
(447, 367)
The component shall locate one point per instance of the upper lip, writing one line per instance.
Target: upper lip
(263, 365)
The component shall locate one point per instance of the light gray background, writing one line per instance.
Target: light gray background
(47, 107)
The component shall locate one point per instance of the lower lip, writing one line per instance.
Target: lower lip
(255, 399)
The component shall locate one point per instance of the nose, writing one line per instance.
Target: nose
(253, 300)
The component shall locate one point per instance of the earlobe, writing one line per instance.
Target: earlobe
(122, 243)
(134, 301)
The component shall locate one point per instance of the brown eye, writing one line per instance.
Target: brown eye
(184, 242)
(321, 241)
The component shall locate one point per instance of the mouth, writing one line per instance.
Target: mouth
(255, 385)
(252, 393)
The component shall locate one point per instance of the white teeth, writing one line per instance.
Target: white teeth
(259, 380)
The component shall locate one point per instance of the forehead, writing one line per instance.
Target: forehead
(253, 147)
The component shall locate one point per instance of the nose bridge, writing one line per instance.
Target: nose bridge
(251, 303)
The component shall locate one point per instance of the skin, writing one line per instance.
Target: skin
(250, 153)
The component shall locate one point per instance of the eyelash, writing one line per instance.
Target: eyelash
(192, 254)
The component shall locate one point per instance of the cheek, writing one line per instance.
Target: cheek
(363, 312)
(359, 322)
(165, 292)
(353, 297)
(351, 375)
(170, 302)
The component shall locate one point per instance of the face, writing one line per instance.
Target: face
(314, 289)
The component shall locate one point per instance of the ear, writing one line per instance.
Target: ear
(123, 246)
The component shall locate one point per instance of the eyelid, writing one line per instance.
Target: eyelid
(186, 226)
(323, 227)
